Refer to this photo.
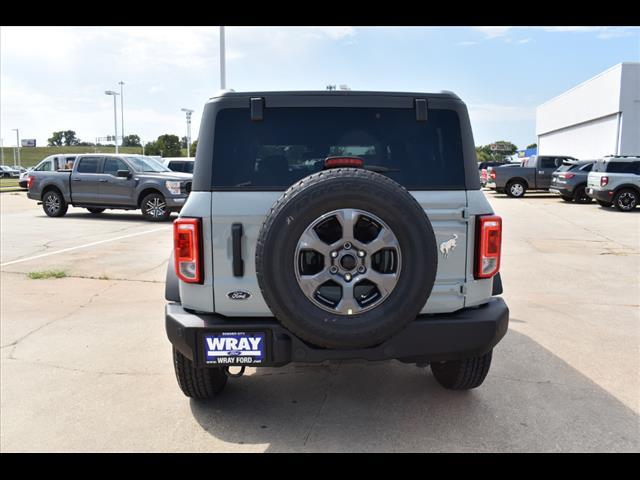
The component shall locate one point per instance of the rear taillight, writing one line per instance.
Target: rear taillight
(492, 174)
(567, 176)
(604, 181)
(30, 180)
(488, 245)
(186, 249)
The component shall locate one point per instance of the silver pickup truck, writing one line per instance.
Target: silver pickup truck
(101, 181)
(535, 174)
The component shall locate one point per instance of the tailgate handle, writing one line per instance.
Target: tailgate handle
(236, 246)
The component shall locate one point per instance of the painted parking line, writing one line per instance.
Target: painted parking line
(64, 250)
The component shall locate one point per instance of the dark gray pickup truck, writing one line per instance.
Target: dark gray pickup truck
(535, 174)
(106, 181)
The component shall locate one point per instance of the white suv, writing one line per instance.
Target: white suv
(615, 180)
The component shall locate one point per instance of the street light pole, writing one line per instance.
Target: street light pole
(121, 83)
(223, 80)
(115, 116)
(17, 146)
(188, 112)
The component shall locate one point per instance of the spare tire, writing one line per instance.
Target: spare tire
(346, 258)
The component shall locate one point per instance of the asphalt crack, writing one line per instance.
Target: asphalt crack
(17, 342)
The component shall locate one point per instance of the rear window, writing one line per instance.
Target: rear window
(88, 165)
(566, 168)
(623, 167)
(291, 143)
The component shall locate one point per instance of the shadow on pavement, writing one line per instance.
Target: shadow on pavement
(531, 401)
(107, 216)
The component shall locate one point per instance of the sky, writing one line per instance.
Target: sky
(54, 78)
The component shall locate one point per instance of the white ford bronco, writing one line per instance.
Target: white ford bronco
(334, 225)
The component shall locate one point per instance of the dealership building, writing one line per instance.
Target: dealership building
(596, 118)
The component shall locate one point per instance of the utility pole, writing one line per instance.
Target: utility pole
(223, 80)
(115, 117)
(121, 83)
(17, 147)
(188, 112)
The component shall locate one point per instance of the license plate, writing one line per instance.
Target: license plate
(235, 348)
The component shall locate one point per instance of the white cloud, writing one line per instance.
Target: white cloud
(492, 112)
(54, 78)
(604, 33)
(493, 32)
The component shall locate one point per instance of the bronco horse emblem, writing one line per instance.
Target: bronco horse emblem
(448, 246)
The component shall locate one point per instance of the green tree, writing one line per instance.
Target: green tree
(70, 138)
(194, 145)
(170, 145)
(485, 154)
(533, 145)
(152, 148)
(131, 141)
(56, 140)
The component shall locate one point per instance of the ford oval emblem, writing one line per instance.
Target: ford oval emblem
(238, 295)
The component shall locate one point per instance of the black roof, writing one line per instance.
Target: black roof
(334, 93)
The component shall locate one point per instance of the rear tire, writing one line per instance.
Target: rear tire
(96, 211)
(567, 199)
(200, 383)
(53, 204)
(154, 208)
(580, 195)
(462, 374)
(516, 189)
(626, 200)
(604, 204)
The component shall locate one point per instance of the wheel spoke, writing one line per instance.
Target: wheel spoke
(347, 218)
(347, 304)
(310, 241)
(310, 283)
(385, 239)
(384, 281)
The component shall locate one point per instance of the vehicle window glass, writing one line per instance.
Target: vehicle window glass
(566, 168)
(291, 143)
(88, 165)
(44, 167)
(176, 166)
(621, 167)
(587, 168)
(112, 165)
(547, 162)
(188, 167)
(147, 164)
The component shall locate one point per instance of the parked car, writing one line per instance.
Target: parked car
(325, 234)
(23, 180)
(570, 180)
(179, 164)
(102, 181)
(483, 167)
(9, 172)
(534, 174)
(615, 180)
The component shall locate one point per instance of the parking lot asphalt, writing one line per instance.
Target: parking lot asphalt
(85, 364)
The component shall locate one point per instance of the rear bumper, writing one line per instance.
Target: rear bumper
(564, 191)
(602, 195)
(467, 333)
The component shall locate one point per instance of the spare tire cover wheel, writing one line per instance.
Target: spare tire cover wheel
(346, 258)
